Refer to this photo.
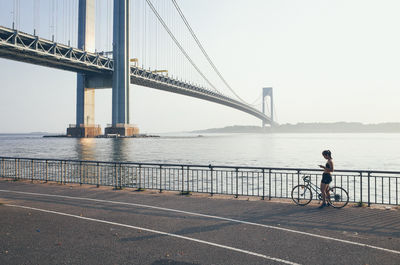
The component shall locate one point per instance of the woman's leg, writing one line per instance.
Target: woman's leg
(323, 192)
(327, 195)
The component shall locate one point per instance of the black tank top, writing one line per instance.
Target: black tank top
(327, 165)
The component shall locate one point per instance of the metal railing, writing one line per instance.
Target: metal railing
(363, 186)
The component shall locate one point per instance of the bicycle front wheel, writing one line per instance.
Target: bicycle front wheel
(338, 197)
(301, 195)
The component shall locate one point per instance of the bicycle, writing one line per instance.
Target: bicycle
(302, 194)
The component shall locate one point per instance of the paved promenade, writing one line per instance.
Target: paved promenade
(71, 224)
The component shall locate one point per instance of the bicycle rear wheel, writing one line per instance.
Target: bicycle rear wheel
(338, 197)
(301, 195)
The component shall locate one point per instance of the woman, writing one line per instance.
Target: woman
(326, 176)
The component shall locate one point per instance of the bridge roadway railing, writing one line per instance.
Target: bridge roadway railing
(363, 186)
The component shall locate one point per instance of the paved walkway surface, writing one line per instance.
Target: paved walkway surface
(70, 224)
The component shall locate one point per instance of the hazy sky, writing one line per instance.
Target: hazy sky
(327, 61)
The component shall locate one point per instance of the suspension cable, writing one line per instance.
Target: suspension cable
(203, 51)
(179, 45)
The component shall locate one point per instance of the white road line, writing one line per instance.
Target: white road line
(210, 216)
(158, 232)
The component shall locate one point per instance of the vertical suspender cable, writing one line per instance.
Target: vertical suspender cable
(107, 25)
(144, 34)
(35, 16)
(18, 6)
(109, 41)
(13, 15)
(66, 20)
(69, 24)
(140, 32)
(97, 33)
(56, 21)
(164, 44)
(50, 19)
(73, 16)
(15, 24)
(63, 19)
(156, 42)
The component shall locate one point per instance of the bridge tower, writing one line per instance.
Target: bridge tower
(121, 75)
(85, 126)
(267, 91)
(86, 84)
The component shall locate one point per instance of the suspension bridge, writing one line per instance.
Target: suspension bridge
(147, 59)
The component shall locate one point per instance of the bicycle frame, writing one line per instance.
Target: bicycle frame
(312, 186)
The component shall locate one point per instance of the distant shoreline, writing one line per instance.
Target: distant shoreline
(336, 127)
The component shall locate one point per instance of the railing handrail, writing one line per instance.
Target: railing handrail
(370, 171)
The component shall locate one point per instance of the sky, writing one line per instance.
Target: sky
(327, 61)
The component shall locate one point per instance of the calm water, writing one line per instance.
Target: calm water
(350, 151)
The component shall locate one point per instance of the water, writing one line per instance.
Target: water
(376, 151)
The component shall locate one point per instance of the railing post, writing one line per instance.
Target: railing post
(212, 174)
(32, 168)
(80, 173)
(120, 176)
(3, 167)
(47, 171)
(84, 173)
(98, 174)
(160, 178)
(62, 172)
(183, 180)
(140, 177)
(298, 177)
(237, 183)
(263, 193)
(188, 175)
(369, 190)
(269, 184)
(65, 172)
(361, 193)
(16, 168)
(116, 176)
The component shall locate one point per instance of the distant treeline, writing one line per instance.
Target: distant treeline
(336, 127)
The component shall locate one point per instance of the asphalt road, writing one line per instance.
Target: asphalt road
(70, 224)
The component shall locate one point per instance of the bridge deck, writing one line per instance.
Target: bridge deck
(118, 227)
(24, 47)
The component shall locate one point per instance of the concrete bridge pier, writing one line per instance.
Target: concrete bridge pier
(85, 96)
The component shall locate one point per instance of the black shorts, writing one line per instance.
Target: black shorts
(326, 178)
